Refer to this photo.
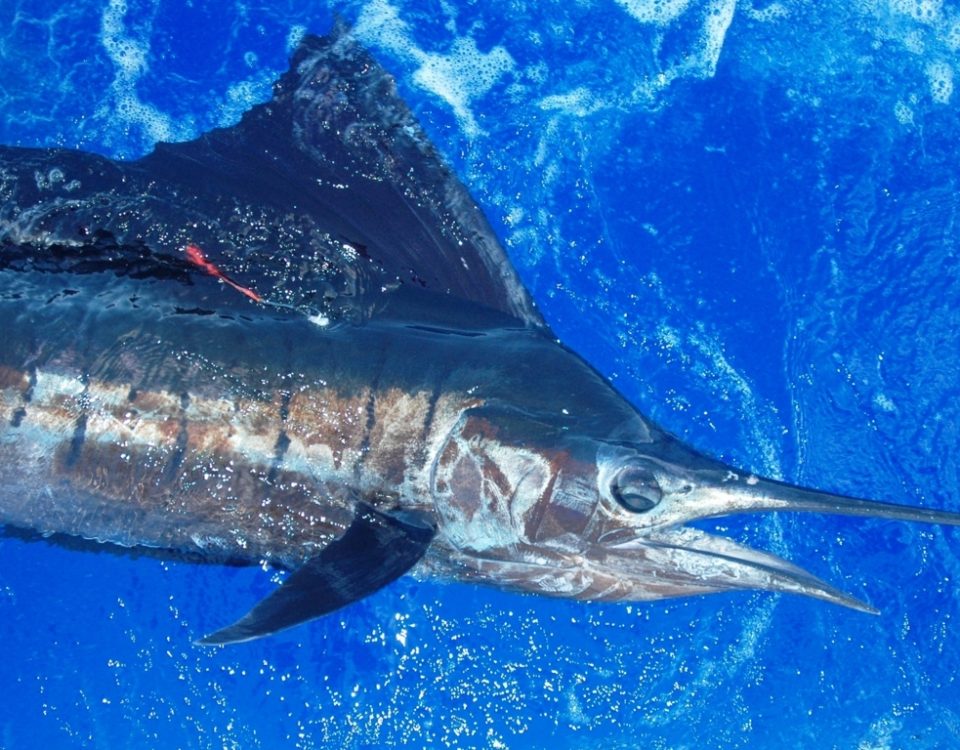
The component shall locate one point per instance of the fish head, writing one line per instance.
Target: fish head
(531, 503)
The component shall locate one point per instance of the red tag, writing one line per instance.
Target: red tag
(195, 255)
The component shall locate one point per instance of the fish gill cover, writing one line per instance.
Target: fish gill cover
(743, 213)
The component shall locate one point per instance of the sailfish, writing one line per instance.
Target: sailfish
(298, 342)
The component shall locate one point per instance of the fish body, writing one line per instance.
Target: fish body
(297, 341)
(247, 434)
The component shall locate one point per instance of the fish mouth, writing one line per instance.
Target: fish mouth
(683, 561)
(669, 558)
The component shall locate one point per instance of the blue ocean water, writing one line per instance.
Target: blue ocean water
(744, 213)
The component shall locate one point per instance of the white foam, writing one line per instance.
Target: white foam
(701, 60)
(925, 11)
(658, 12)
(883, 402)
(903, 113)
(459, 76)
(380, 24)
(295, 36)
(129, 57)
(719, 16)
(462, 75)
(732, 383)
(773, 12)
(915, 42)
(951, 36)
(940, 79)
(579, 102)
(243, 95)
(882, 734)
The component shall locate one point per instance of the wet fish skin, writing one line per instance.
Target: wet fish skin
(244, 435)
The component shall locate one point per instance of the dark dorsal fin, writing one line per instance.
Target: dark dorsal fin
(342, 161)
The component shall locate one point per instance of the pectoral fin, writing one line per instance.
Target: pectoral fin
(375, 550)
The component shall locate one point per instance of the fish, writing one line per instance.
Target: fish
(297, 342)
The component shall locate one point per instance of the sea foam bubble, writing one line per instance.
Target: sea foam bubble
(940, 79)
(129, 56)
(659, 12)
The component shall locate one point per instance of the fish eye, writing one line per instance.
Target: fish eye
(636, 489)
